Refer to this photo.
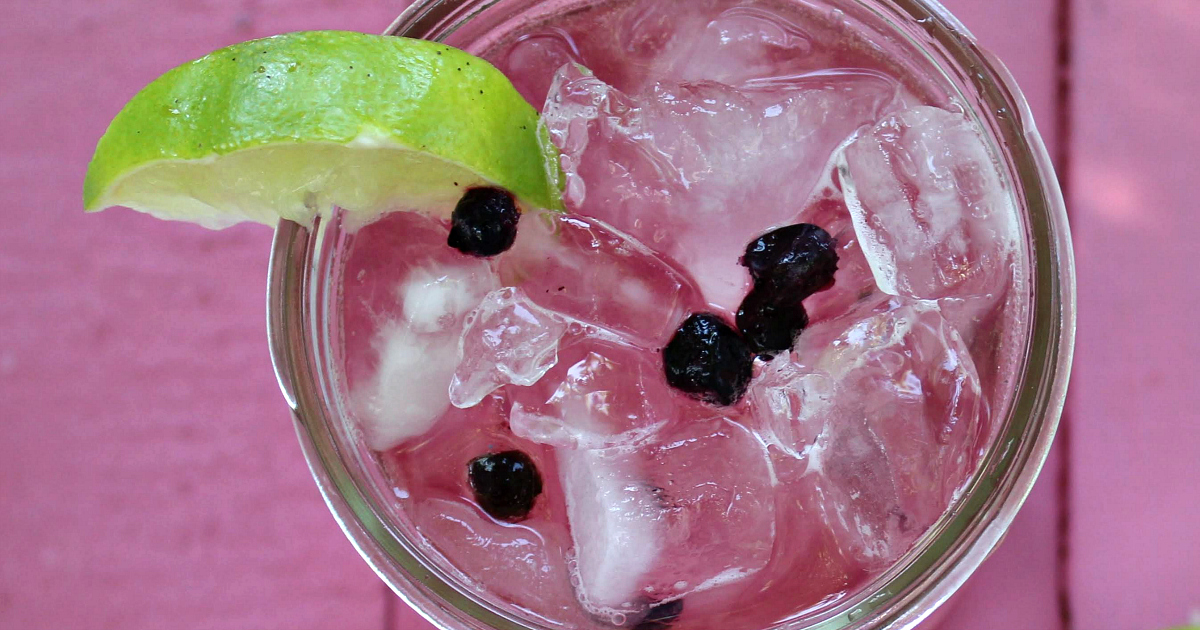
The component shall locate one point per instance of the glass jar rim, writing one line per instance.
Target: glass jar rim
(905, 595)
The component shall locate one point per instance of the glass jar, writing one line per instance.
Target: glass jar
(304, 333)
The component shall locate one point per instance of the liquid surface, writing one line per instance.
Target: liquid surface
(686, 130)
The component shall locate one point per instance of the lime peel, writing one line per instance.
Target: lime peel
(292, 125)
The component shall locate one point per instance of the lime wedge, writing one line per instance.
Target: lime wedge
(289, 126)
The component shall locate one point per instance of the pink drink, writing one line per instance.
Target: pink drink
(704, 125)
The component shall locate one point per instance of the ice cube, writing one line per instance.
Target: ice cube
(746, 43)
(854, 283)
(898, 429)
(615, 520)
(601, 394)
(594, 274)
(976, 318)
(805, 564)
(703, 40)
(907, 353)
(436, 300)
(930, 208)
(692, 512)
(574, 104)
(990, 326)
(693, 169)
(407, 394)
(523, 564)
(405, 251)
(534, 58)
(858, 495)
(405, 297)
(782, 398)
(507, 339)
(716, 483)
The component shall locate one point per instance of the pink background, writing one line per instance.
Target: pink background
(149, 475)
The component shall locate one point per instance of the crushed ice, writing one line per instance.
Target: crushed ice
(507, 339)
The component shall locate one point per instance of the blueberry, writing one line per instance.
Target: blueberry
(505, 484)
(770, 318)
(661, 616)
(484, 223)
(708, 360)
(801, 258)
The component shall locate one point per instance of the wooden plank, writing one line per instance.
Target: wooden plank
(1023, 34)
(150, 474)
(1135, 555)
(1016, 586)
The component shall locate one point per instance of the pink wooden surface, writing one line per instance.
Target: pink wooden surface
(149, 476)
(1135, 559)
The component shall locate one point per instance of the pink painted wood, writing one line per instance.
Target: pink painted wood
(1135, 554)
(148, 472)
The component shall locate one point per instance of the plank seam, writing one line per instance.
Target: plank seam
(1062, 158)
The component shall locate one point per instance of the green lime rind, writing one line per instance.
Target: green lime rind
(289, 126)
